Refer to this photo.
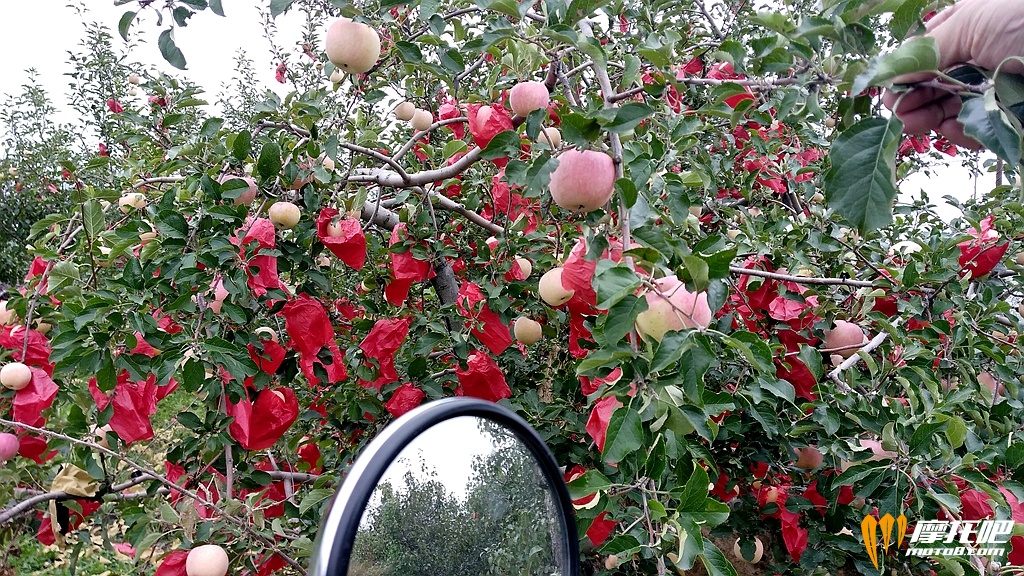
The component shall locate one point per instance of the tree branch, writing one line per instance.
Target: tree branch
(802, 279)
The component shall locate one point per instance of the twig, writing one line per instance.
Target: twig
(801, 279)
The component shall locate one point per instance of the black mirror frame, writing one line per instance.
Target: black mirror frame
(336, 538)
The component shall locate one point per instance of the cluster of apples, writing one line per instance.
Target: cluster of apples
(418, 118)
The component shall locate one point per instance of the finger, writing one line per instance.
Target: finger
(953, 130)
(911, 100)
(949, 39)
(926, 118)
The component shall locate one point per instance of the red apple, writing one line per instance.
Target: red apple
(672, 307)
(353, 47)
(526, 97)
(846, 335)
(808, 458)
(9, 445)
(583, 181)
(525, 265)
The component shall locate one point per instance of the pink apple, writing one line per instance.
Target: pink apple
(526, 97)
(551, 289)
(845, 335)
(248, 195)
(9, 445)
(583, 181)
(206, 560)
(672, 307)
(353, 47)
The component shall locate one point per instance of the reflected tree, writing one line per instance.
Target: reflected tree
(499, 525)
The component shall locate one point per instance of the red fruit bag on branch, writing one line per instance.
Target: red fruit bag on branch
(381, 344)
(259, 424)
(482, 378)
(600, 416)
(261, 269)
(38, 352)
(173, 564)
(30, 401)
(134, 403)
(981, 254)
(486, 122)
(310, 331)
(485, 324)
(344, 239)
(405, 269)
(404, 399)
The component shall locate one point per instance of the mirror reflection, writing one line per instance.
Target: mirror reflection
(466, 497)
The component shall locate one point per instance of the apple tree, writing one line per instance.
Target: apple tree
(665, 233)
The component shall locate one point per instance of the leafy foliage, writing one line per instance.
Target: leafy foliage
(399, 283)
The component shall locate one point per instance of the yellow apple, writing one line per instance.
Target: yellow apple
(527, 330)
(551, 289)
(284, 215)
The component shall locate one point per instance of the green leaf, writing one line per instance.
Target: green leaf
(278, 7)
(169, 50)
(503, 144)
(410, 52)
(812, 359)
(313, 498)
(172, 224)
(956, 433)
(697, 273)
(624, 544)
(906, 17)
(628, 117)
(670, 350)
(753, 348)
(715, 561)
(190, 421)
(64, 274)
(695, 492)
(591, 482)
(624, 436)
(919, 54)
(861, 184)
(125, 23)
(613, 282)
(242, 146)
(269, 163)
(621, 318)
(985, 121)
(627, 189)
(92, 218)
(217, 7)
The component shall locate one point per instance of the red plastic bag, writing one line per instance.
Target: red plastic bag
(261, 269)
(484, 323)
(381, 344)
(310, 331)
(404, 399)
(600, 416)
(259, 425)
(30, 401)
(173, 564)
(482, 378)
(348, 243)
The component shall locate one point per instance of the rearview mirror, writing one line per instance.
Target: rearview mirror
(455, 487)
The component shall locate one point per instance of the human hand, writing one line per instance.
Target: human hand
(982, 33)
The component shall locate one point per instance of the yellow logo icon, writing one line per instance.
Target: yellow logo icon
(869, 528)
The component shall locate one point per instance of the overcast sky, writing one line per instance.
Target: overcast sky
(39, 34)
